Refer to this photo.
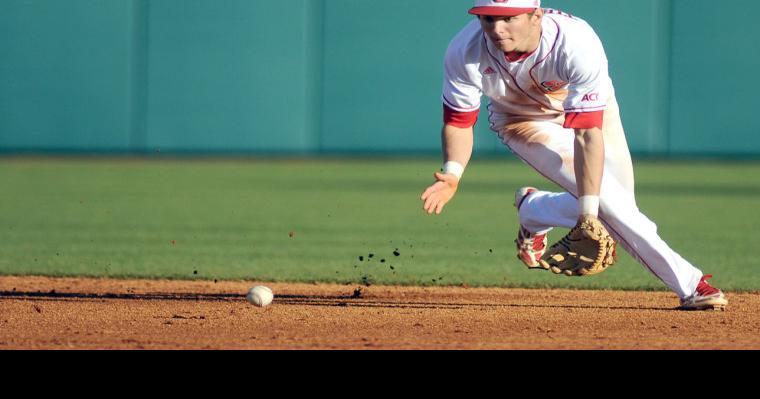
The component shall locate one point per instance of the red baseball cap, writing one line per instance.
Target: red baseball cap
(504, 8)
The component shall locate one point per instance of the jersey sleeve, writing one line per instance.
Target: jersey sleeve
(584, 120)
(458, 119)
(588, 77)
(462, 81)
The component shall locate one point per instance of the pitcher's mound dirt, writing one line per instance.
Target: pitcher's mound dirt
(63, 313)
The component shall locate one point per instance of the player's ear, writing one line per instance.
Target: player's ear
(537, 15)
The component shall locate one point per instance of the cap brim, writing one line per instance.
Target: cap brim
(500, 11)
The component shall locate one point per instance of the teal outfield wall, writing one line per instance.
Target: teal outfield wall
(327, 76)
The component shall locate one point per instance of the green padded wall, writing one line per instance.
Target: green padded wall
(715, 59)
(66, 74)
(339, 76)
(228, 76)
(383, 74)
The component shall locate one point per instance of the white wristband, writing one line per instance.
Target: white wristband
(453, 168)
(589, 205)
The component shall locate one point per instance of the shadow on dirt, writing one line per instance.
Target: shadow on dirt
(52, 295)
(305, 300)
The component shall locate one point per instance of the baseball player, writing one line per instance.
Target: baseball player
(552, 103)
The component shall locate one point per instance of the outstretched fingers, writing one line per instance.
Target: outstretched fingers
(426, 195)
(438, 195)
(433, 204)
(439, 207)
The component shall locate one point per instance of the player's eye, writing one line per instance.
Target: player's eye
(490, 19)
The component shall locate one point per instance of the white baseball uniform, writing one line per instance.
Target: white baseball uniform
(536, 102)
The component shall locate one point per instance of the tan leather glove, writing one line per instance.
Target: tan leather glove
(587, 250)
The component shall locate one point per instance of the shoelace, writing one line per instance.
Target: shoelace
(528, 243)
(704, 288)
(538, 243)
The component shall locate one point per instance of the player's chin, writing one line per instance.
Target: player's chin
(506, 46)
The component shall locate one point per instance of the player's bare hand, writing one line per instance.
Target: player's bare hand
(440, 193)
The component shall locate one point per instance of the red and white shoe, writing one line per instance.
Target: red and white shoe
(530, 247)
(706, 298)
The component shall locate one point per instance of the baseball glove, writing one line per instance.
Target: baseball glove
(587, 250)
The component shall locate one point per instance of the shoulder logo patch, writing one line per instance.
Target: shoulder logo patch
(553, 85)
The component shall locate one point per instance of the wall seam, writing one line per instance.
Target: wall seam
(314, 75)
(669, 76)
(321, 75)
(139, 77)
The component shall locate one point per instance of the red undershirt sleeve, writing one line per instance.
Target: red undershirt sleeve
(462, 120)
(584, 120)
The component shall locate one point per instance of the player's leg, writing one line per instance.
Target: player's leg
(539, 211)
(543, 211)
(549, 148)
(638, 235)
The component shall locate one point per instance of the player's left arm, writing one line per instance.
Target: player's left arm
(589, 168)
(588, 93)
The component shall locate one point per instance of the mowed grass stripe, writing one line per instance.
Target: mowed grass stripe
(312, 220)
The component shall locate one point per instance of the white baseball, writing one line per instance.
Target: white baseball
(260, 296)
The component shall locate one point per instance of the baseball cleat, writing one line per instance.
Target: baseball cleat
(706, 298)
(530, 247)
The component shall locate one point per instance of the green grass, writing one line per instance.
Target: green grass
(232, 219)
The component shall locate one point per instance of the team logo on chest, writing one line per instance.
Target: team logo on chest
(489, 71)
(553, 85)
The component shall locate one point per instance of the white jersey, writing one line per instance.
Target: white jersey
(566, 75)
(568, 72)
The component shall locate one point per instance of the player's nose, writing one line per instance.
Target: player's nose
(497, 29)
(499, 24)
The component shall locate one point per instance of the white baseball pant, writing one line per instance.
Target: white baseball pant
(548, 148)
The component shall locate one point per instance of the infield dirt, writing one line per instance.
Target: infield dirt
(66, 313)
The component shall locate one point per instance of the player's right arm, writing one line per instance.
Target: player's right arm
(457, 144)
(461, 105)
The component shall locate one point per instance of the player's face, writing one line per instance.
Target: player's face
(520, 33)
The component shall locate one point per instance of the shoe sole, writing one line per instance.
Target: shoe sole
(719, 304)
(534, 266)
(719, 308)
